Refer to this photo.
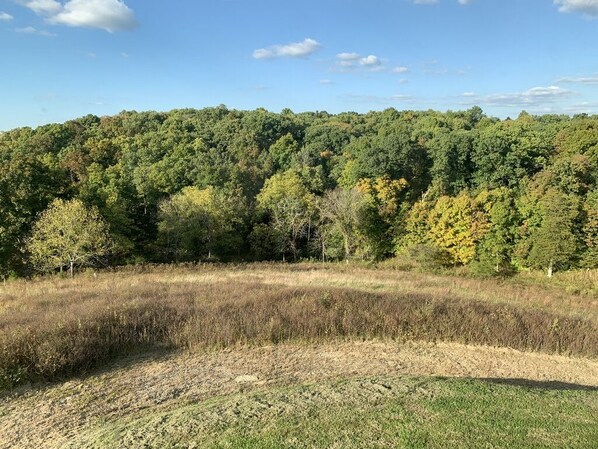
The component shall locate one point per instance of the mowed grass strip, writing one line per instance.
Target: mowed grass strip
(73, 326)
(383, 412)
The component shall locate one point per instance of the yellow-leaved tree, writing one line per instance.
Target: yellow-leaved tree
(66, 235)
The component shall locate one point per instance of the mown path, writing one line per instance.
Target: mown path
(52, 416)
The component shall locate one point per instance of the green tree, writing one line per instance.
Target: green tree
(553, 244)
(197, 223)
(343, 212)
(495, 251)
(291, 208)
(68, 234)
(590, 230)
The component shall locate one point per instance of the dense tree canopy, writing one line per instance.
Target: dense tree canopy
(218, 183)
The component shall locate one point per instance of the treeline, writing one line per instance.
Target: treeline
(455, 188)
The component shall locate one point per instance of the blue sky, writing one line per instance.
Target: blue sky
(64, 59)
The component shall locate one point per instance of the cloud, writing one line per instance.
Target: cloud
(530, 98)
(403, 98)
(294, 50)
(391, 100)
(5, 17)
(581, 108)
(400, 69)
(32, 30)
(370, 61)
(587, 7)
(581, 80)
(42, 7)
(352, 61)
(326, 82)
(109, 15)
(465, 2)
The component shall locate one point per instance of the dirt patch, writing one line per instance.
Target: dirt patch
(51, 416)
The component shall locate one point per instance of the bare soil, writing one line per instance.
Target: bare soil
(53, 415)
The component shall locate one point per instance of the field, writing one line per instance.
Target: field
(303, 355)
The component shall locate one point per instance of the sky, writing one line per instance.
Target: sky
(65, 59)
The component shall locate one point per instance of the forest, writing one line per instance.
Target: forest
(440, 189)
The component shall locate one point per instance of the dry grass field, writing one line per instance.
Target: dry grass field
(54, 328)
(101, 360)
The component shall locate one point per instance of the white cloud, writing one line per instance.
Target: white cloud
(326, 82)
(348, 56)
(109, 15)
(403, 98)
(294, 50)
(465, 2)
(353, 61)
(400, 69)
(530, 98)
(581, 108)
(32, 30)
(380, 100)
(370, 61)
(580, 79)
(5, 17)
(42, 7)
(587, 7)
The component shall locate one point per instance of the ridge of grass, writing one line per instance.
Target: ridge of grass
(53, 329)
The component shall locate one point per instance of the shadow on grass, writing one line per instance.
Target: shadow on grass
(540, 385)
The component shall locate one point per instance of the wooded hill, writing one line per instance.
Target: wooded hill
(455, 188)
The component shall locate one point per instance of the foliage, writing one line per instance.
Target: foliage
(343, 213)
(68, 234)
(553, 244)
(291, 207)
(456, 226)
(196, 224)
(468, 184)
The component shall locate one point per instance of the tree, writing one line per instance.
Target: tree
(291, 207)
(68, 234)
(342, 212)
(553, 244)
(590, 230)
(456, 226)
(495, 251)
(197, 223)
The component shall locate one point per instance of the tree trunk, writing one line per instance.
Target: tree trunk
(347, 248)
(550, 268)
(71, 270)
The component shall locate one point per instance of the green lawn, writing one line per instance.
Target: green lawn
(371, 413)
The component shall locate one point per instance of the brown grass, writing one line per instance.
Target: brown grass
(54, 328)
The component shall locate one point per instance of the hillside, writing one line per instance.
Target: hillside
(439, 189)
(274, 355)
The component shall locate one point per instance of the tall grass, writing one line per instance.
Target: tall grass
(52, 329)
